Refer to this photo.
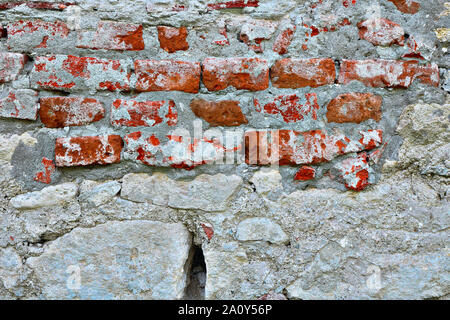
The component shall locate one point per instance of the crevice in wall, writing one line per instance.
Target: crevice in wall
(196, 275)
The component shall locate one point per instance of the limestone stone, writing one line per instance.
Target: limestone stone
(115, 260)
(206, 192)
(426, 138)
(267, 180)
(101, 194)
(48, 196)
(9, 144)
(261, 229)
(10, 267)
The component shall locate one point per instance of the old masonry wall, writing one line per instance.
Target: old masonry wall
(240, 149)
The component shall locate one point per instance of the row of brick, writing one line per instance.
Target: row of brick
(72, 73)
(261, 147)
(59, 112)
(405, 6)
(283, 147)
(120, 36)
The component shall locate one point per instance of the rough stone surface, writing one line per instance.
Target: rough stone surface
(101, 193)
(208, 193)
(47, 197)
(129, 259)
(260, 229)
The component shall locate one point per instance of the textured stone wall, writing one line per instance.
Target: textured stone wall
(224, 149)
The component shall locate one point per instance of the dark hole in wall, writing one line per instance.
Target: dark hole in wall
(195, 289)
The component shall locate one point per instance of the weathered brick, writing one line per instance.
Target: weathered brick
(388, 73)
(46, 5)
(242, 73)
(283, 40)
(298, 73)
(32, 34)
(11, 65)
(167, 75)
(59, 112)
(113, 36)
(305, 173)
(406, 6)
(289, 147)
(354, 107)
(233, 4)
(20, 104)
(254, 32)
(133, 113)
(178, 152)
(71, 73)
(83, 151)
(291, 107)
(381, 32)
(220, 113)
(173, 39)
(355, 172)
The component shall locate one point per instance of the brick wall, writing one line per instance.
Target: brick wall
(240, 73)
(312, 88)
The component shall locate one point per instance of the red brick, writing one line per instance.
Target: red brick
(233, 4)
(83, 151)
(35, 33)
(406, 6)
(133, 113)
(71, 73)
(173, 39)
(221, 113)
(388, 73)
(305, 173)
(283, 40)
(289, 147)
(242, 73)
(355, 172)
(354, 107)
(381, 32)
(20, 104)
(167, 75)
(11, 65)
(298, 73)
(59, 112)
(113, 36)
(36, 5)
(291, 107)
